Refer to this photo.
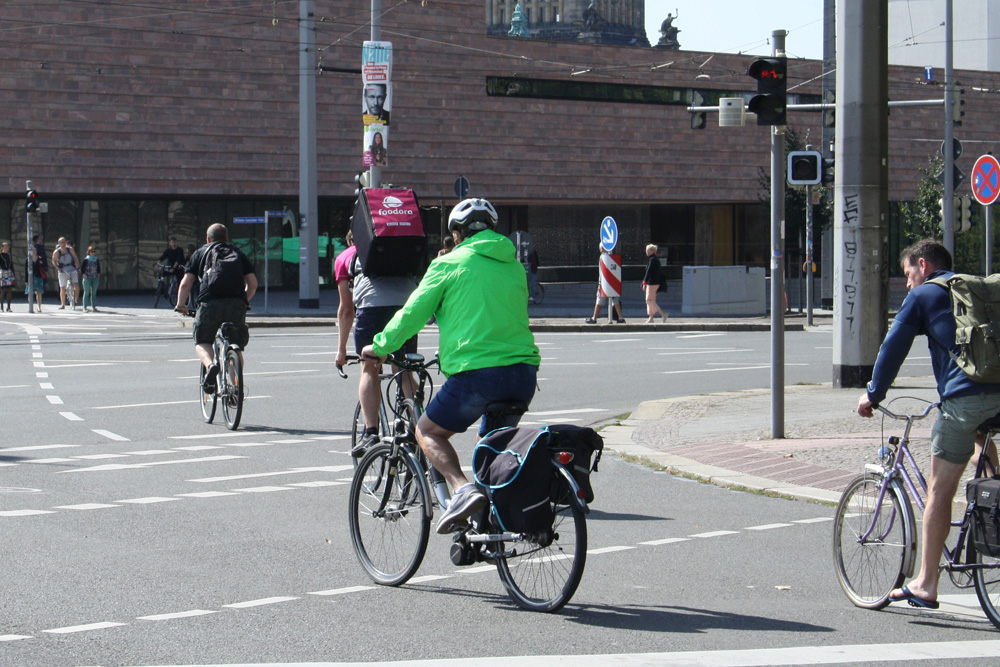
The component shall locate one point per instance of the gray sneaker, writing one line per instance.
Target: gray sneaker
(462, 506)
(367, 441)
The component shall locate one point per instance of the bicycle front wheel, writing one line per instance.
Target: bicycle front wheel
(987, 582)
(208, 401)
(232, 395)
(540, 575)
(389, 515)
(868, 568)
(539, 293)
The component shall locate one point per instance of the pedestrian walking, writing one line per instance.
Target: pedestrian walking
(653, 282)
(91, 270)
(7, 277)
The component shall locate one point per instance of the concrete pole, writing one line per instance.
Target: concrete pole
(861, 203)
(778, 263)
(308, 209)
(375, 173)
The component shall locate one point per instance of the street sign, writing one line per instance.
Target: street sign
(928, 74)
(957, 176)
(986, 180)
(462, 187)
(251, 220)
(956, 149)
(609, 233)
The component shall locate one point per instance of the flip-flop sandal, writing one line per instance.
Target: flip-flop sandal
(913, 600)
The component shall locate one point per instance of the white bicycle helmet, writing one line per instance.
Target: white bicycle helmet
(472, 215)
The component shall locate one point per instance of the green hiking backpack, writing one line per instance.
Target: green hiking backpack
(975, 302)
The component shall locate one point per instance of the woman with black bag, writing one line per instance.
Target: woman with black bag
(654, 281)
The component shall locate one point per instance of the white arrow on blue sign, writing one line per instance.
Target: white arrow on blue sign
(609, 233)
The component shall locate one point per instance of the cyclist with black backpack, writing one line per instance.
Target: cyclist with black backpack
(228, 283)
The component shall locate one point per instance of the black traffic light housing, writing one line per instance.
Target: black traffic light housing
(805, 168)
(771, 102)
(32, 201)
(698, 118)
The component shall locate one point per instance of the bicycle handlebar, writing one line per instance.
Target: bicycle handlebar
(404, 362)
(893, 415)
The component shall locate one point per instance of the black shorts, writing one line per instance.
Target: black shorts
(370, 321)
(211, 315)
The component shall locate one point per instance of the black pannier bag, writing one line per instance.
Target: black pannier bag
(985, 493)
(586, 446)
(515, 468)
(389, 233)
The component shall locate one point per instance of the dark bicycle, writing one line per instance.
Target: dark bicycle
(166, 285)
(392, 500)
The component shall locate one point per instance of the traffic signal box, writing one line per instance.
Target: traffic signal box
(32, 201)
(771, 102)
(805, 168)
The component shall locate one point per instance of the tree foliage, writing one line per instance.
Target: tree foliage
(921, 219)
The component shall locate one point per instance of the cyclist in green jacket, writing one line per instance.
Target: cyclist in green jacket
(479, 295)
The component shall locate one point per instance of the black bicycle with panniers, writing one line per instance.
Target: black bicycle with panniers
(394, 492)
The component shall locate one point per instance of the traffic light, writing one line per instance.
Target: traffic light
(829, 171)
(957, 102)
(965, 214)
(32, 199)
(698, 118)
(770, 103)
(805, 167)
(363, 180)
(829, 115)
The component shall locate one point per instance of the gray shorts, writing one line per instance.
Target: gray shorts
(954, 434)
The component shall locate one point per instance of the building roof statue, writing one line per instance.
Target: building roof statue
(668, 34)
(518, 24)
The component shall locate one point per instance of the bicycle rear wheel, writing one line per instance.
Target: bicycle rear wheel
(987, 582)
(543, 577)
(208, 401)
(389, 515)
(232, 395)
(868, 570)
(539, 293)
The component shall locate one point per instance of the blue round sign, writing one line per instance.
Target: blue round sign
(609, 233)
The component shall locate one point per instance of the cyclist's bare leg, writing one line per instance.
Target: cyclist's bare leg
(434, 441)
(205, 353)
(941, 487)
(369, 392)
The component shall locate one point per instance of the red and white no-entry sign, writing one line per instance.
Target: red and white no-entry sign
(611, 274)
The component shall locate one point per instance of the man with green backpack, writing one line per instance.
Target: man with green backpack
(966, 400)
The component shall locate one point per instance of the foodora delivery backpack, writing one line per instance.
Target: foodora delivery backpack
(975, 303)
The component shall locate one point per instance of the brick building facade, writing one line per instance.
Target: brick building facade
(135, 124)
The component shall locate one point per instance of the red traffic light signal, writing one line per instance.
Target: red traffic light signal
(770, 104)
(32, 204)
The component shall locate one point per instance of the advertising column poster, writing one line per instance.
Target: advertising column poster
(376, 101)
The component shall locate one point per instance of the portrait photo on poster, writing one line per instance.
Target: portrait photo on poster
(376, 145)
(376, 103)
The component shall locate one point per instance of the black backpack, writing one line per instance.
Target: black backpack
(222, 272)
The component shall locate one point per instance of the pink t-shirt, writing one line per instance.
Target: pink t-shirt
(342, 264)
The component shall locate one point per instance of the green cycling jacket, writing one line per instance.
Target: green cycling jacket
(479, 294)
